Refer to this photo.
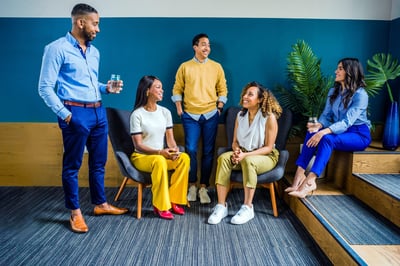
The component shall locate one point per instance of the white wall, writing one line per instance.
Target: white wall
(395, 9)
(330, 9)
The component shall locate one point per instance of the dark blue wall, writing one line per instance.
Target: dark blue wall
(249, 49)
(394, 49)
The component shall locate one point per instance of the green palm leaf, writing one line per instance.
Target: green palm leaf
(309, 88)
(304, 72)
(382, 68)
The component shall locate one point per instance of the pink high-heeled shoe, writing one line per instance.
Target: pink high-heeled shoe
(163, 214)
(177, 209)
(296, 184)
(305, 189)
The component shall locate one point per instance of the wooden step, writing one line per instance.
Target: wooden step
(332, 227)
(376, 160)
(381, 192)
(356, 178)
(373, 160)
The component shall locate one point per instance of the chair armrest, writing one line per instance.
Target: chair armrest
(283, 157)
(279, 170)
(129, 170)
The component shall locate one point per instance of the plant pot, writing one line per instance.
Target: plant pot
(391, 135)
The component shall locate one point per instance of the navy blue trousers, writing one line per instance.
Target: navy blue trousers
(88, 127)
(356, 138)
(207, 129)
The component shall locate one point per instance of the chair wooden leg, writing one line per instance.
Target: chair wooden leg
(139, 200)
(273, 200)
(277, 189)
(121, 188)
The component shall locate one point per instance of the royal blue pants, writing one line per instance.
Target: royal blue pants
(356, 138)
(207, 129)
(88, 127)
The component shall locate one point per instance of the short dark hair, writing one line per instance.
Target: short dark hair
(82, 9)
(196, 38)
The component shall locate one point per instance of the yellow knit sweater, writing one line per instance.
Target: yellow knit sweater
(200, 85)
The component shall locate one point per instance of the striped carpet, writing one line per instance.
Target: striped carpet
(355, 221)
(35, 231)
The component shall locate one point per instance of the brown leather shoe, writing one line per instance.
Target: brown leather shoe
(78, 224)
(112, 210)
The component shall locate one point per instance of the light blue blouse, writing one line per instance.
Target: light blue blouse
(339, 119)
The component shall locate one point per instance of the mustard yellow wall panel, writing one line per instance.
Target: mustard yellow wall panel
(31, 155)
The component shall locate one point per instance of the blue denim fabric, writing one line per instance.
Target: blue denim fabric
(207, 129)
(88, 127)
(356, 138)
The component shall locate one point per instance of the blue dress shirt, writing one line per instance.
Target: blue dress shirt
(339, 119)
(73, 73)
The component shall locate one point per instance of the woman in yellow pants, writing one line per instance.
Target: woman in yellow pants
(150, 125)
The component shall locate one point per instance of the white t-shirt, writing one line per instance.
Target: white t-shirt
(152, 125)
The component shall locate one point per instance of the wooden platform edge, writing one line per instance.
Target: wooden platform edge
(335, 247)
(377, 199)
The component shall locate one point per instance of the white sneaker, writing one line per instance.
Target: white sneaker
(244, 215)
(192, 195)
(203, 194)
(219, 213)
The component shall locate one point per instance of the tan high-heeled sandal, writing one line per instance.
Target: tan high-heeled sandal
(305, 189)
(296, 184)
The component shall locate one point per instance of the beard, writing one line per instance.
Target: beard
(89, 36)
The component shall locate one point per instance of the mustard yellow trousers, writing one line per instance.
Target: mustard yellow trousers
(164, 189)
(251, 166)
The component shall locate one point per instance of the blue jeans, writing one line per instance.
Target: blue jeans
(88, 127)
(356, 138)
(207, 129)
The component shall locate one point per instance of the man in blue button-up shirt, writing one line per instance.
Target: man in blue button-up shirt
(70, 66)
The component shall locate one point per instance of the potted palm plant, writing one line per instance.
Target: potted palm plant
(308, 90)
(381, 69)
(309, 87)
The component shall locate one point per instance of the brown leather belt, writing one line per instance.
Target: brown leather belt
(85, 105)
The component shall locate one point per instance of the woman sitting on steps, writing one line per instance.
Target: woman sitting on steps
(342, 126)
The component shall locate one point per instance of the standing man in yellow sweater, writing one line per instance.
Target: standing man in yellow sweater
(200, 83)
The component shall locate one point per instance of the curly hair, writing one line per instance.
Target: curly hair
(269, 103)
